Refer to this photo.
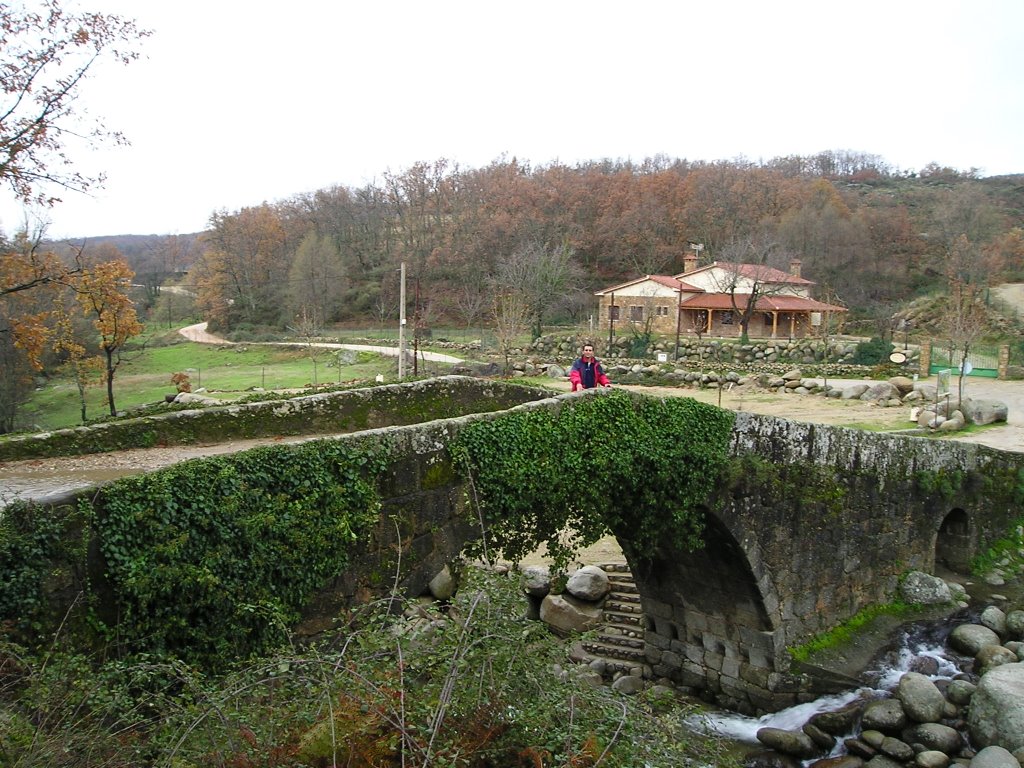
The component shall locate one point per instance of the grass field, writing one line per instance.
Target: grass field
(144, 376)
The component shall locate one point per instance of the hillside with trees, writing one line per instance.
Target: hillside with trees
(868, 235)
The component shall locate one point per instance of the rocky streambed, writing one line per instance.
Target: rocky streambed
(949, 693)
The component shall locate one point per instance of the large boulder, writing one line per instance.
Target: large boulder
(795, 743)
(904, 384)
(588, 583)
(567, 614)
(996, 716)
(994, 757)
(854, 391)
(885, 715)
(924, 589)
(881, 390)
(921, 699)
(535, 580)
(983, 411)
(968, 639)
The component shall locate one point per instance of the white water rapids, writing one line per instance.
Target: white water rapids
(922, 649)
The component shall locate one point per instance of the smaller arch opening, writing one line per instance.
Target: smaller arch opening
(953, 542)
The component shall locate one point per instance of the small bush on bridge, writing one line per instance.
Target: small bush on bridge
(640, 468)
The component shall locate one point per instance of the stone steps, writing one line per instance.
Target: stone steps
(618, 645)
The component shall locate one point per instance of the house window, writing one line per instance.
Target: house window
(661, 311)
(613, 312)
(725, 318)
(636, 313)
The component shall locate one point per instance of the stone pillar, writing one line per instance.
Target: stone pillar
(925, 359)
(1004, 362)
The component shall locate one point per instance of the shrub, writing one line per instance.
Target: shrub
(872, 352)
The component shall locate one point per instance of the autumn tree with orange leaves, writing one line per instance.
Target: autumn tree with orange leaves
(46, 53)
(102, 292)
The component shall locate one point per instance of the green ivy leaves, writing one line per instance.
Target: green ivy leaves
(638, 467)
(212, 559)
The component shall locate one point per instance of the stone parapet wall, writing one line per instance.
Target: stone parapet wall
(321, 413)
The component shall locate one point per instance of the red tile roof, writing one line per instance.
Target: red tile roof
(669, 282)
(758, 272)
(771, 303)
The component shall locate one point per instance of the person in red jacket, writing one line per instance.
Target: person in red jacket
(587, 372)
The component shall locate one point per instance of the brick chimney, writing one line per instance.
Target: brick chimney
(794, 267)
(689, 262)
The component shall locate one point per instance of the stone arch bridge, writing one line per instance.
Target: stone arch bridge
(819, 524)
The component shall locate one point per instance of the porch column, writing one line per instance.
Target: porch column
(775, 325)
(711, 320)
(792, 325)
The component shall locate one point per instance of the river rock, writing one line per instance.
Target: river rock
(994, 757)
(931, 758)
(924, 589)
(630, 685)
(994, 618)
(769, 759)
(555, 371)
(959, 692)
(885, 715)
(567, 614)
(882, 761)
(838, 721)
(921, 700)
(588, 583)
(968, 639)
(1015, 624)
(896, 749)
(996, 716)
(795, 743)
(935, 737)
(843, 761)
(824, 740)
(992, 656)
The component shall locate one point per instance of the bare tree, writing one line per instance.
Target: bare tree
(470, 301)
(511, 313)
(747, 275)
(965, 314)
(540, 275)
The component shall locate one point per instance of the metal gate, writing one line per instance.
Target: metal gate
(981, 361)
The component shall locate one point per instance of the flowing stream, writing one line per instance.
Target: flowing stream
(919, 647)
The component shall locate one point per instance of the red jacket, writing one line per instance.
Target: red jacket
(587, 376)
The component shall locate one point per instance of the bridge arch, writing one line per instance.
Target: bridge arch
(954, 547)
(706, 613)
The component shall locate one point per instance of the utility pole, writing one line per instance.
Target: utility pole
(611, 324)
(401, 327)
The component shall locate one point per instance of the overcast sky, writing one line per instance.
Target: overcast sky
(235, 103)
